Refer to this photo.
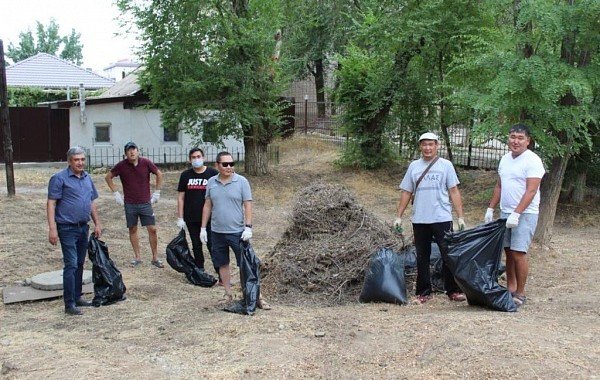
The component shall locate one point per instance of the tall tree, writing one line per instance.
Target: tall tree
(539, 68)
(374, 74)
(315, 32)
(47, 40)
(450, 29)
(72, 48)
(396, 68)
(213, 60)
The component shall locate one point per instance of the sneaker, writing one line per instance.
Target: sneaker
(457, 296)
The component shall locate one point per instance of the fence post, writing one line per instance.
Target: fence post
(470, 152)
(305, 114)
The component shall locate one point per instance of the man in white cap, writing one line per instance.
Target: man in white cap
(432, 183)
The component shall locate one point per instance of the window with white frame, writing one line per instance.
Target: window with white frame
(102, 131)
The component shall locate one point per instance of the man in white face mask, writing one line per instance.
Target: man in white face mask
(190, 201)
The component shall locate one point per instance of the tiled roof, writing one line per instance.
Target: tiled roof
(127, 86)
(123, 63)
(48, 71)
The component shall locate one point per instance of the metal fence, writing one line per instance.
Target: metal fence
(324, 121)
(167, 155)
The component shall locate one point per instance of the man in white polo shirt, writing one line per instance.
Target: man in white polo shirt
(518, 191)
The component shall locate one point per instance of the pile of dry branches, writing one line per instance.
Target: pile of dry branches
(326, 249)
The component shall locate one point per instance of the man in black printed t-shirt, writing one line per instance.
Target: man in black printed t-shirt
(190, 201)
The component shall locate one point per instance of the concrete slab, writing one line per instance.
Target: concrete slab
(54, 281)
(13, 294)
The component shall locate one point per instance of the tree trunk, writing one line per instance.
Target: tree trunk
(256, 160)
(579, 187)
(5, 126)
(550, 191)
(320, 87)
(442, 106)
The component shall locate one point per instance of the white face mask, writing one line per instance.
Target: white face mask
(197, 162)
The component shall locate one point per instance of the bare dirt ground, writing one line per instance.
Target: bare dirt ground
(169, 329)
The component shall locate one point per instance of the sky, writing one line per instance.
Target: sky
(94, 19)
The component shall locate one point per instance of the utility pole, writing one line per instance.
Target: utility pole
(5, 126)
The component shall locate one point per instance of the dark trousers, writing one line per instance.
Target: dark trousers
(424, 234)
(73, 242)
(194, 231)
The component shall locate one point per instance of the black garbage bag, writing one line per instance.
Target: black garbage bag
(250, 281)
(435, 265)
(180, 259)
(474, 257)
(384, 280)
(108, 281)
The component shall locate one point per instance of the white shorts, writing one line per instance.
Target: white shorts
(520, 237)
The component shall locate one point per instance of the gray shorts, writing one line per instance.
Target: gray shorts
(143, 211)
(519, 238)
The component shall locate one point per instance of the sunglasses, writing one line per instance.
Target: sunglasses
(227, 164)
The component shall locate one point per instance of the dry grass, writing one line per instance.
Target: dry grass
(169, 329)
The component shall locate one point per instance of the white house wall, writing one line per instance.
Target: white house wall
(142, 126)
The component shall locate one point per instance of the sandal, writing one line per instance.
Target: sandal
(157, 263)
(262, 304)
(135, 262)
(423, 298)
(457, 296)
(519, 299)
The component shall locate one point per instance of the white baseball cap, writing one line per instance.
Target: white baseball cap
(428, 136)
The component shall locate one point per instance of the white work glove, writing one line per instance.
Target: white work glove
(461, 224)
(181, 223)
(119, 198)
(247, 234)
(513, 220)
(489, 215)
(398, 225)
(203, 236)
(155, 197)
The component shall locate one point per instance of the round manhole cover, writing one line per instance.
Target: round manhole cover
(54, 281)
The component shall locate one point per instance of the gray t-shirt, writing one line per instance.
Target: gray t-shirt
(432, 203)
(227, 214)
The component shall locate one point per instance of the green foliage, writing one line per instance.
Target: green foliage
(536, 72)
(48, 41)
(394, 71)
(314, 30)
(72, 48)
(31, 96)
(212, 59)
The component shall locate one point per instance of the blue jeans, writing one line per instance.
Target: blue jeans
(73, 242)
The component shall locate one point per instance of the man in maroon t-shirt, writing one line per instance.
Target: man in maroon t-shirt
(134, 172)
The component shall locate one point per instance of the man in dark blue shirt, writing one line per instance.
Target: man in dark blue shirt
(71, 195)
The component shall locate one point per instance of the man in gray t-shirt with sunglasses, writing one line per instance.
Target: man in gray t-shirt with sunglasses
(432, 212)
